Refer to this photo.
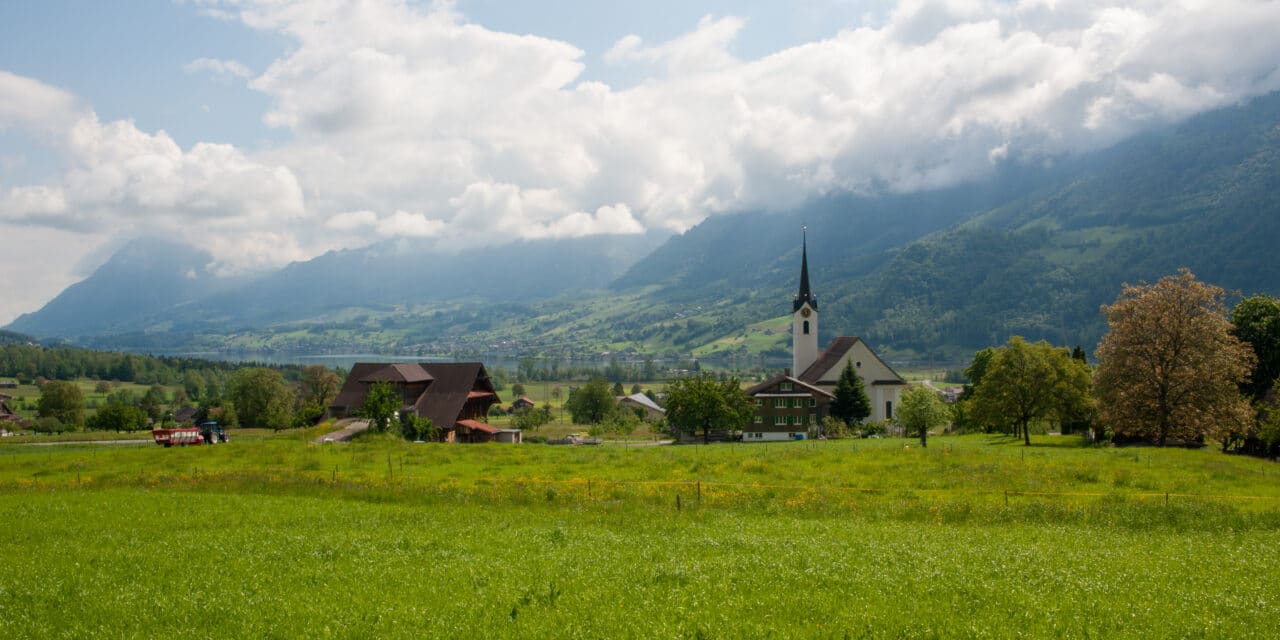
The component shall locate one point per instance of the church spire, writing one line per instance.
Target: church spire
(805, 295)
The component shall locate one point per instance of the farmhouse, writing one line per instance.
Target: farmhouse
(523, 402)
(643, 404)
(789, 406)
(10, 417)
(786, 409)
(455, 396)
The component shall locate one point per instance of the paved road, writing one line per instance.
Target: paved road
(349, 427)
(64, 442)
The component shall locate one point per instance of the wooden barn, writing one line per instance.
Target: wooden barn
(455, 396)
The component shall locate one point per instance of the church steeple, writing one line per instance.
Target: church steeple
(805, 295)
(804, 318)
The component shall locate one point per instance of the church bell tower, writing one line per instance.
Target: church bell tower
(804, 317)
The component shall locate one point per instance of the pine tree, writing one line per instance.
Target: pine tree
(851, 403)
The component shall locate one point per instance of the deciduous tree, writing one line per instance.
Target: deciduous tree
(319, 385)
(118, 417)
(919, 411)
(531, 418)
(591, 403)
(1256, 322)
(261, 398)
(702, 402)
(1170, 367)
(63, 401)
(380, 405)
(1024, 382)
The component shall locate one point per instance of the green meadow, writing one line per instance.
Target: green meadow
(971, 537)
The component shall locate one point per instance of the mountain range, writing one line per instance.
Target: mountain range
(1032, 251)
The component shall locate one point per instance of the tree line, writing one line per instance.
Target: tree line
(251, 396)
(1176, 366)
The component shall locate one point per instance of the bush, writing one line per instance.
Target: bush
(833, 427)
(414, 428)
(49, 424)
(308, 415)
(874, 428)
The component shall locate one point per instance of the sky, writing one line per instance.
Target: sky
(271, 131)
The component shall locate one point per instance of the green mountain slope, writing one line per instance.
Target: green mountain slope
(1203, 195)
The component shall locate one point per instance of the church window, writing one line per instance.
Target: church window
(806, 327)
(858, 364)
(888, 409)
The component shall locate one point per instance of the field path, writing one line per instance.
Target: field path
(349, 427)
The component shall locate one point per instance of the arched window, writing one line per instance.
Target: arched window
(806, 327)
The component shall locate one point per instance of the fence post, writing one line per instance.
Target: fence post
(1166, 498)
(1006, 497)
(677, 502)
(699, 492)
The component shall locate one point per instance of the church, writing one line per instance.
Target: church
(792, 405)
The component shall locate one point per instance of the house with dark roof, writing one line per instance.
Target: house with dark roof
(787, 408)
(523, 402)
(816, 372)
(9, 417)
(455, 396)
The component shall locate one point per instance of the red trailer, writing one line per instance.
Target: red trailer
(180, 436)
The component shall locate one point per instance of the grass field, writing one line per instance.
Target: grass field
(278, 538)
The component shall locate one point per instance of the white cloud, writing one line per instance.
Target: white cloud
(223, 70)
(399, 108)
(704, 49)
(352, 220)
(121, 179)
(32, 105)
(405, 224)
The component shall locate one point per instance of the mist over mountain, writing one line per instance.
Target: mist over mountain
(1034, 251)
(145, 278)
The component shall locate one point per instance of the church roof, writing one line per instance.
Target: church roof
(834, 353)
(805, 295)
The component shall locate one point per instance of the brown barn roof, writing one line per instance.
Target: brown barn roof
(406, 372)
(449, 386)
(478, 426)
(448, 392)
